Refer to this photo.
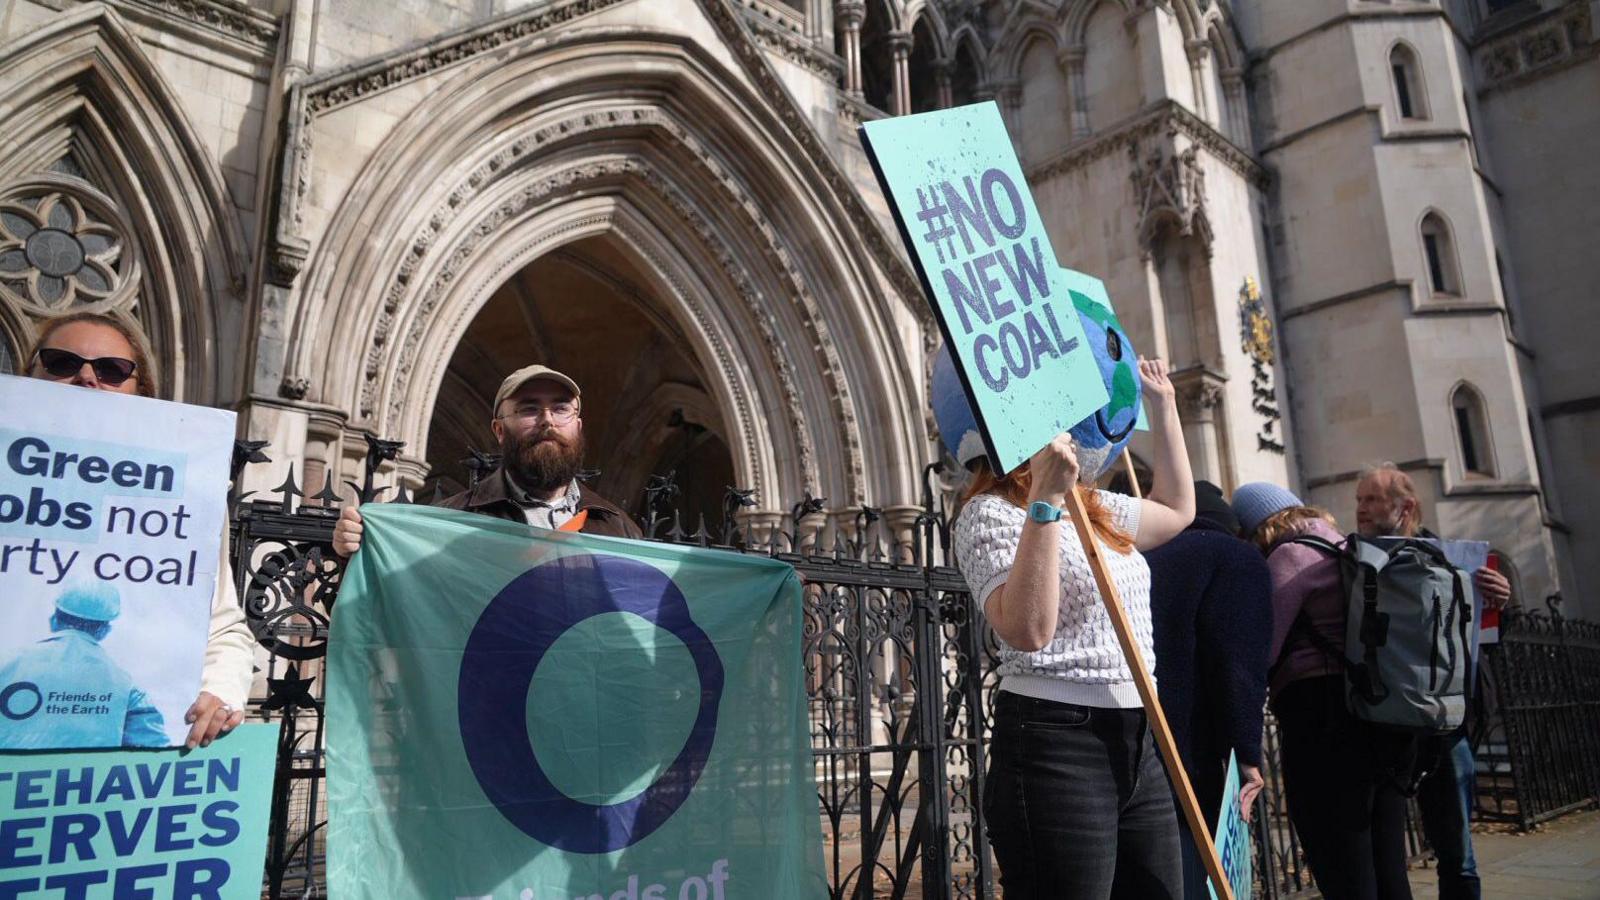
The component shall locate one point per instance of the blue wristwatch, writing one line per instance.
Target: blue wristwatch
(1043, 513)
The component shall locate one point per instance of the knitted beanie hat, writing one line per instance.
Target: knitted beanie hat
(1253, 503)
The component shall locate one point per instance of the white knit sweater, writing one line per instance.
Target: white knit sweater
(1083, 664)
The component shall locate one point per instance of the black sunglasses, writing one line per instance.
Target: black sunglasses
(65, 364)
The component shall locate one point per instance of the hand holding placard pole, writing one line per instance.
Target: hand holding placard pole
(1147, 695)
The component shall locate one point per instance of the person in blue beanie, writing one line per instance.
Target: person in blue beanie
(1211, 599)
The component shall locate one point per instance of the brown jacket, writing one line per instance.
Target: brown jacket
(489, 498)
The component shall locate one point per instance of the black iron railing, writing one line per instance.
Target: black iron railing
(900, 674)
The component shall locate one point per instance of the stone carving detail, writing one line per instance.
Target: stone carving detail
(294, 388)
(794, 46)
(1200, 400)
(63, 244)
(229, 17)
(1171, 189)
(319, 95)
(344, 87)
(1170, 119)
(1544, 42)
(1255, 337)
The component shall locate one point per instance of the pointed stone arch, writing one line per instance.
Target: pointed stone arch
(93, 96)
(1029, 19)
(689, 171)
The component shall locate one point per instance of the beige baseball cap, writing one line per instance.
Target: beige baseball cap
(530, 373)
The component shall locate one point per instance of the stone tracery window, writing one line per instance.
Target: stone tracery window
(62, 246)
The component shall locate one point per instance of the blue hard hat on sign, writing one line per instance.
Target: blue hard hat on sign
(90, 601)
(958, 427)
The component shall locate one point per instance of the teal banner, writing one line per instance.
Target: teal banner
(977, 242)
(119, 824)
(1233, 838)
(524, 714)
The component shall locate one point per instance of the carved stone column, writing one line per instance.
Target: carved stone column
(1234, 107)
(900, 46)
(1200, 395)
(851, 13)
(1197, 51)
(900, 523)
(942, 71)
(1071, 61)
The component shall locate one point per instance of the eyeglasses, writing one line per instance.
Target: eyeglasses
(559, 413)
(65, 364)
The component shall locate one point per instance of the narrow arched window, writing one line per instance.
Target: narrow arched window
(1439, 253)
(1472, 430)
(1408, 92)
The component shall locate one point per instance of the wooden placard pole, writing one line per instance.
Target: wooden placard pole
(1147, 694)
(1133, 474)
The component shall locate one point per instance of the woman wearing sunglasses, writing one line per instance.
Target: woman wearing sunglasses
(104, 353)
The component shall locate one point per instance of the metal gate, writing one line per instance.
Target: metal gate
(894, 673)
(899, 675)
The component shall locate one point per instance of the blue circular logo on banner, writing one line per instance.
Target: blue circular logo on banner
(504, 650)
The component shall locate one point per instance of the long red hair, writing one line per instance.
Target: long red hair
(1014, 489)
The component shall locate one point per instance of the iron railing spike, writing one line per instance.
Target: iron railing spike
(289, 490)
(327, 495)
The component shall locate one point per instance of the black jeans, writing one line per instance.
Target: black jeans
(1077, 804)
(1344, 782)
(1444, 798)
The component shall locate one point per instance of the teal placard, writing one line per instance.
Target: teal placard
(516, 713)
(139, 823)
(978, 245)
(1233, 838)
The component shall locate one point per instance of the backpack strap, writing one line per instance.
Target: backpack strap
(1373, 633)
(1302, 625)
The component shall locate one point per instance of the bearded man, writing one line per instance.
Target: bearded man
(538, 422)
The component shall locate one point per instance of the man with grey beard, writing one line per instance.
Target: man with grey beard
(1387, 506)
(538, 421)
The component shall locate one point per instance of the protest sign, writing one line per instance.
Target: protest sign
(1469, 557)
(525, 714)
(1233, 836)
(111, 522)
(980, 248)
(189, 825)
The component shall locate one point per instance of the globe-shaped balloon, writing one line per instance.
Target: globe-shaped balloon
(1100, 438)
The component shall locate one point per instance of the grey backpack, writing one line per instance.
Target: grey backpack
(1408, 619)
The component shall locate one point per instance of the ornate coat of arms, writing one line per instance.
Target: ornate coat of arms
(1255, 337)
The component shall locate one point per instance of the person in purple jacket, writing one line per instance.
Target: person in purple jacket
(1344, 779)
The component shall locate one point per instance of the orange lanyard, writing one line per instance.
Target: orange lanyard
(576, 522)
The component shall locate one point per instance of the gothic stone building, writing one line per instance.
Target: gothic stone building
(1359, 229)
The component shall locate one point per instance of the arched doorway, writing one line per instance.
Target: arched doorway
(586, 310)
(677, 204)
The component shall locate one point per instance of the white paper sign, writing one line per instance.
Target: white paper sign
(112, 511)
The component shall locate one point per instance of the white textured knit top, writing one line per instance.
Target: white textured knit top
(1083, 663)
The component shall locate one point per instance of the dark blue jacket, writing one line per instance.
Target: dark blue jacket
(1211, 600)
